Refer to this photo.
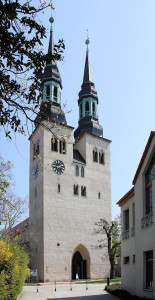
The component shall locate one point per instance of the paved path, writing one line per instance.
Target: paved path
(63, 292)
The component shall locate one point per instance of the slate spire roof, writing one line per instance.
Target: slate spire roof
(51, 41)
(51, 70)
(87, 87)
(87, 70)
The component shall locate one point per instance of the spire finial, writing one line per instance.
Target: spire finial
(87, 41)
(51, 19)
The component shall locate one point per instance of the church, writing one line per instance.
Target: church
(70, 183)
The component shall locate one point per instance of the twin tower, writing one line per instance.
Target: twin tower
(70, 185)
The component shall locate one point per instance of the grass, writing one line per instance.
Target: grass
(117, 279)
(31, 283)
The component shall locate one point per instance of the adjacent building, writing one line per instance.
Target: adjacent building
(138, 228)
(70, 185)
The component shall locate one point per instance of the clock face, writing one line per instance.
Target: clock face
(35, 171)
(58, 167)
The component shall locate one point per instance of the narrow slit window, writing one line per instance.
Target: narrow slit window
(58, 188)
(37, 150)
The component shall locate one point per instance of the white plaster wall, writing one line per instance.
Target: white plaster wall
(133, 276)
(128, 249)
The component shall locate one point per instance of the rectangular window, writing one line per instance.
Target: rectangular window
(126, 260)
(83, 191)
(58, 188)
(126, 220)
(149, 176)
(133, 259)
(99, 195)
(149, 269)
(76, 189)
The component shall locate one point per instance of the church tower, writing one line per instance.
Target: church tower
(70, 186)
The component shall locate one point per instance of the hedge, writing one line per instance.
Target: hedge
(13, 266)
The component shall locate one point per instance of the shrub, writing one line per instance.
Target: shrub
(13, 266)
(116, 290)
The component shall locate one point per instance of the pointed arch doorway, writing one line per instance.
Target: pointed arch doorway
(80, 263)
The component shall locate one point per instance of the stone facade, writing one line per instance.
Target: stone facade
(138, 228)
(61, 222)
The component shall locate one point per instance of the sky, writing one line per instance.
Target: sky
(122, 57)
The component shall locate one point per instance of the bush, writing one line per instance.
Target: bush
(13, 266)
(115, 289)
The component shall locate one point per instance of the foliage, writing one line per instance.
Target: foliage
(115, 289)
(27, 274)
(116, 238)
(13, 265)
(11, 206)
(113, 240)
(22, 62)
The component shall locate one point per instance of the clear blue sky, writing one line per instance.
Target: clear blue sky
(122, 56)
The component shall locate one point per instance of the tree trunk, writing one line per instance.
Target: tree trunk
(112, 269)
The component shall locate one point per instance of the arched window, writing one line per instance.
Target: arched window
(82, 171)
(55, 93)
(83, 191)
(93, 109)
(95, 155)
(87, 108)
(62, 148)
(101, 157)
(77, 170)
(54, 144)
(47, 91)
(76, 189)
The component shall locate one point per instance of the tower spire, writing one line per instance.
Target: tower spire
(88, 103)
(52, 87)
(51, 41)
(87, 70)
